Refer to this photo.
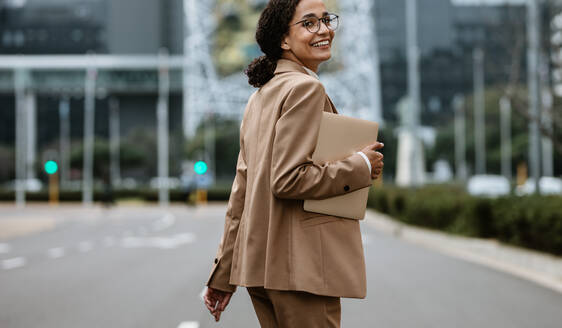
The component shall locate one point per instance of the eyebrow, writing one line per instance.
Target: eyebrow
(314, 15)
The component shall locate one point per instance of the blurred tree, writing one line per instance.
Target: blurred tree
(132, 156)
(444, 146)
(7, 158)
(227, 144)
(101, 156)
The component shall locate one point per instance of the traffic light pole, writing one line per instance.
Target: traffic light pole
(64, 115)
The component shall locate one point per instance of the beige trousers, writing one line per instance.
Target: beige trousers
(294, 309)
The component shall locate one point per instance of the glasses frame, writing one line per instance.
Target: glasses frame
(320, 19)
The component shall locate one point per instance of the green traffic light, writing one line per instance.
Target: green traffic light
(200, 167)
(51, 167)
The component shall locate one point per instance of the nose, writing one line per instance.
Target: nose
(323, 28)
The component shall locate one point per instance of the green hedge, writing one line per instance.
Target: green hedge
(149, 195)
(531, 221)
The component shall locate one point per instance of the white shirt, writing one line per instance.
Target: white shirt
(312, 73)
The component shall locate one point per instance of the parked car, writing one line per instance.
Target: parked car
(488, 185)
(547, 186)
(171, 182)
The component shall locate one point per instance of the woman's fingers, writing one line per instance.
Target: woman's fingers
(216, 302)
(224, 302)
(372, 147)
(377, 145)
(211, 301)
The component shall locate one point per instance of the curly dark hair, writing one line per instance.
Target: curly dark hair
(272, 27)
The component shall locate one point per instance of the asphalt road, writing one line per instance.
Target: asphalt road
(145, 267)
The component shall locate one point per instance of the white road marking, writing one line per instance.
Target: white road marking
(159, 242)
(5, 248)
(165, 222)
(55, 252)
(16, 262)
(85, 246)
(189, 324)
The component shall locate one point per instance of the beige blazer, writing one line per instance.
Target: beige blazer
(269, 240)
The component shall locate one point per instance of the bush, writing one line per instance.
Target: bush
(533, 221)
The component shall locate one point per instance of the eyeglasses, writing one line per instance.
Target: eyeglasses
(312, 23)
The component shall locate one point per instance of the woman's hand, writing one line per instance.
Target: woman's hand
(216, 301)
(375, 158)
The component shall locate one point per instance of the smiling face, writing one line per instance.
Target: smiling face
(300, 45)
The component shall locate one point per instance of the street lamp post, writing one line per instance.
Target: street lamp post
(533, 30)
(89, 117)
(162, 117)
(460, 137)
(479, 113)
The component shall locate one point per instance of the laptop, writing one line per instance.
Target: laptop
(339, 137)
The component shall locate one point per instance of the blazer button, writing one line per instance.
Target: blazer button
(216, 261)
(346, 188)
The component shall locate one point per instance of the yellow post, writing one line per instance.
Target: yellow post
(54, 188)
(521, 173)
(201, 196)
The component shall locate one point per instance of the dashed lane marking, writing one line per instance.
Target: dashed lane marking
(16, 262)
(189, 324)
(159, 242)
(165, 222)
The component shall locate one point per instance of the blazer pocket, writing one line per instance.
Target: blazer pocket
(312, 219)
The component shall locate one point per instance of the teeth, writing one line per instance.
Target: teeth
(321, 43)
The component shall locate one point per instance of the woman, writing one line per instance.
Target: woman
(295, 264)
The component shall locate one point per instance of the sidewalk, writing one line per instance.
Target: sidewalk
(541, 268)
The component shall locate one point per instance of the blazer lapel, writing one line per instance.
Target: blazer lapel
(334, 110)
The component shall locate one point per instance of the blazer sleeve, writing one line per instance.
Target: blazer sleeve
(293, 173)
(220, 273)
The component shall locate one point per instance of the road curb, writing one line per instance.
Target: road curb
(543, 269)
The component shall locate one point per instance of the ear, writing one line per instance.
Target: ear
(284, 44)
